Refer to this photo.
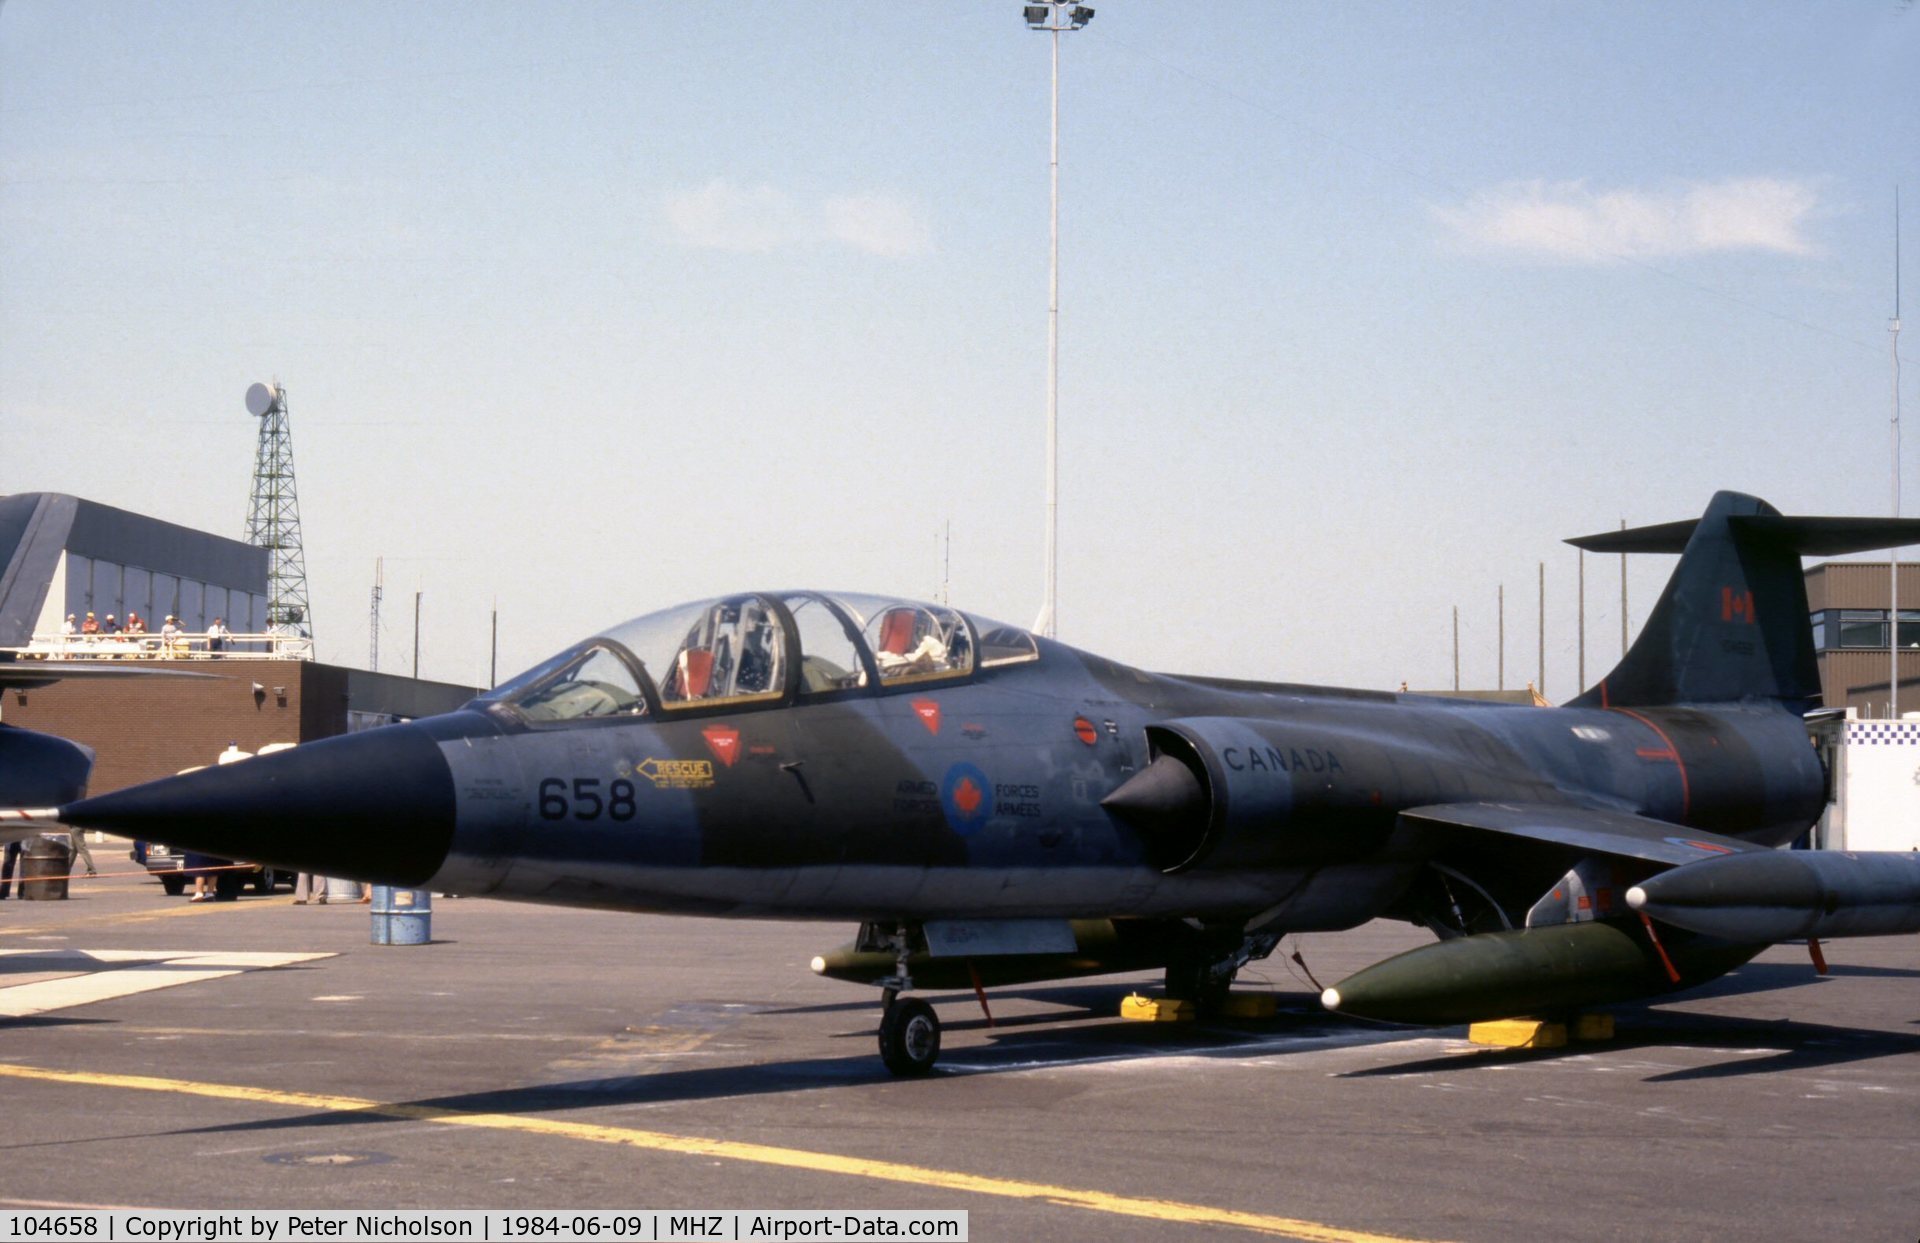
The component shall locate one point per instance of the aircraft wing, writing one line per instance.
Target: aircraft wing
(1583, 829)
(29, 674)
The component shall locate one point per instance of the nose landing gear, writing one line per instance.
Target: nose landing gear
(909, 1037)
(909, 1029)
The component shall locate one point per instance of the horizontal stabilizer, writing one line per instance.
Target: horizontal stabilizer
(1806, 536)
(1667, 537)
(1615, 833)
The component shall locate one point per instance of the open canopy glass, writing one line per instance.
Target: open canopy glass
(759, 649)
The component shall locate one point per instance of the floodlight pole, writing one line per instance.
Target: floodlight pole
(1076, 17)
(1893, 562)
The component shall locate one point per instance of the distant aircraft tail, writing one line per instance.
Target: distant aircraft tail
(1732, 622)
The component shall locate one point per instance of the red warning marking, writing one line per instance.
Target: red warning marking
(979, 990)
(723, 742)
(1083, 730)
(928, 710)
(1654, 937)
(1671, 753)
(1736, 605)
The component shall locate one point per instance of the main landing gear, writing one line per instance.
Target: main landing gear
(909, 1029)
(1203, 972)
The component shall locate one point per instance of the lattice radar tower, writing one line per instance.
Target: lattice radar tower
(273, 520)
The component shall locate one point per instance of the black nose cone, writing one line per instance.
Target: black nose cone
(375, 806)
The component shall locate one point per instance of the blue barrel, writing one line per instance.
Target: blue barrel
(402, 916)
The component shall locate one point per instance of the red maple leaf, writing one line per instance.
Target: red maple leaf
(966, 796)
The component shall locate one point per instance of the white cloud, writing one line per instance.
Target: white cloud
(1569, 221)
(876, 223)
(722, 216)
(719, 216)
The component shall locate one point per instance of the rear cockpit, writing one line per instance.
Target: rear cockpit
(754, 650)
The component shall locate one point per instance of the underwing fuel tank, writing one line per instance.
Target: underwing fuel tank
(1497, 975)
(1101, 947)
(1784, 895)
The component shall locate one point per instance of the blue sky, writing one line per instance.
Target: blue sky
(587, 310)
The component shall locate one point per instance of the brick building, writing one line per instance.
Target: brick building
(1849, 602)
(144, 727)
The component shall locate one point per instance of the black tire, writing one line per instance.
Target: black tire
(909, 1037)
(174, 883)
(227, 886)
(1188, 979)
(263, 881)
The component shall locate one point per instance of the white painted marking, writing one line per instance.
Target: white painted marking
(1258, 1051)
(86, 976)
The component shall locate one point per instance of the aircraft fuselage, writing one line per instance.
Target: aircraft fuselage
(985, 799)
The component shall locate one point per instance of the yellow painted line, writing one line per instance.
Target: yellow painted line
(1172, 1211)
(182, 906)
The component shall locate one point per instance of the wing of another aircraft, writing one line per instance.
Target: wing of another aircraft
(32, 674)
(1586, 830)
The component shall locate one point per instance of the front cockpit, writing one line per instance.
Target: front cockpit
(758, 649)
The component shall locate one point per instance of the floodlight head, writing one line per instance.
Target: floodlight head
(1080, 16)
(1037, 14)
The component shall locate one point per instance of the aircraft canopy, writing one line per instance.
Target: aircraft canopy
(761, 648)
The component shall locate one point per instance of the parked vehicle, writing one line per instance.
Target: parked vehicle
(169, 865)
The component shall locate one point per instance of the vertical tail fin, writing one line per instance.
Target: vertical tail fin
(1732, 622)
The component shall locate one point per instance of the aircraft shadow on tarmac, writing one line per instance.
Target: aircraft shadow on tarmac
(1791, 1046)
(1090, 998)
(1809, 1047)
(1086, 1030)
(1092, 1036)
(21, 1022)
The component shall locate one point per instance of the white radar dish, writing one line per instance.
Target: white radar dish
(260, 399)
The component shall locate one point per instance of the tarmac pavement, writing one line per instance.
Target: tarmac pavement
(161, 1054)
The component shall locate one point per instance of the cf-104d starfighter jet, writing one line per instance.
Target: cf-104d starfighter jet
(993, 807)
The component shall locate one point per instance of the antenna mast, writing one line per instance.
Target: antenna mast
(273, 523)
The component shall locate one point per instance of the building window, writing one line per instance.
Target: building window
(1910, 627)
(1863, 627)
(1819, 620)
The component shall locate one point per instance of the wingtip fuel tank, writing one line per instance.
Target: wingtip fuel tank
(1784, 895)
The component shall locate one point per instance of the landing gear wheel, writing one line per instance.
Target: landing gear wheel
(1190, 979)
(909, 1037)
